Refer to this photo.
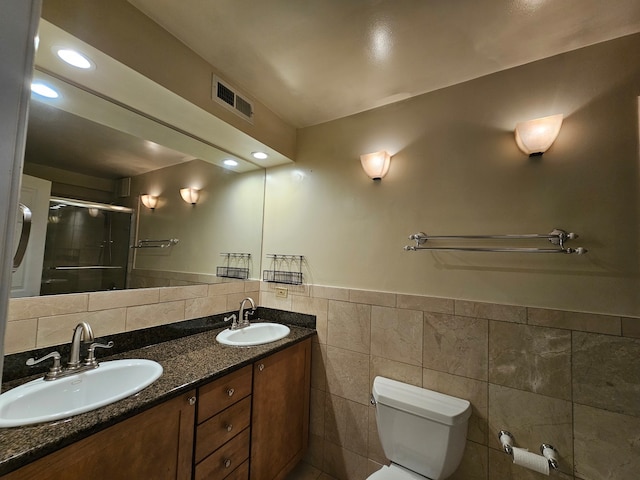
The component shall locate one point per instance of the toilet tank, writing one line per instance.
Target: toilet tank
(422, 430)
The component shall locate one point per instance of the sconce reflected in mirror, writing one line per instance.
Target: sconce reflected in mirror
(376, 164)
(190, 195)
(149, 201)
(534, 137)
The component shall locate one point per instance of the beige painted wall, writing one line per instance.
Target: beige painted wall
(227, 218)
(456, 170)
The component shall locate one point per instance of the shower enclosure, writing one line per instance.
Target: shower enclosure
(86, 248)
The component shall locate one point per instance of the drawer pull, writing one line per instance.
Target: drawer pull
(261, 367)
(227, 463)
(228, 427)
(192, 400)
(230, 392)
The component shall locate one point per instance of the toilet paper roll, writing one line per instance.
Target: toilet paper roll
(530, 460)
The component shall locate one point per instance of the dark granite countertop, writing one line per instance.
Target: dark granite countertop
(188, 362)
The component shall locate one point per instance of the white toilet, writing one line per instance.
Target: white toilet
(422, 432)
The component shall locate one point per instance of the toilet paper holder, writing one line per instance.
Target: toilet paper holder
(546, 450)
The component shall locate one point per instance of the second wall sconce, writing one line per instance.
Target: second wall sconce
(190, 195)
(149, 201)
(536, 136)
(376, 164)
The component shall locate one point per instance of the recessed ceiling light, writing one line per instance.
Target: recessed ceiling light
(74, 58)
(230, 163)
(43, 90)
(259, 155)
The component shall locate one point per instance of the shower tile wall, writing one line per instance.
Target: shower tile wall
(565, 378)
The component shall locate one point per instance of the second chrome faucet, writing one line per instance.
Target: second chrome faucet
(242, 320)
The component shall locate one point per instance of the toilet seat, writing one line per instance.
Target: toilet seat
(395, 472)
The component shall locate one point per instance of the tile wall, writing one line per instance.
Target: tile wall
(565, 378)
(38, 322)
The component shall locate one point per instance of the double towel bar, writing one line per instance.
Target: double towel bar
(557, 237)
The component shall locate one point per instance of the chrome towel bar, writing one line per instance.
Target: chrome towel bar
(556, 237)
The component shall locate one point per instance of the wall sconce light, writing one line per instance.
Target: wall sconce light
(149, 201)
(536, 136)
(376, 164)
(190, 195)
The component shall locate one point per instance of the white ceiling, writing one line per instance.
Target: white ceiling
(311, 61)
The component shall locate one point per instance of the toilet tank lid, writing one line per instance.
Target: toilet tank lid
(420, 401)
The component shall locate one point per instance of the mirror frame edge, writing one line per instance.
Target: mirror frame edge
(20, 29)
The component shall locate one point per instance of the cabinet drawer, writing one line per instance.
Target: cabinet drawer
(220, 428)
(226, 459)
(240, 473)
(221, 393)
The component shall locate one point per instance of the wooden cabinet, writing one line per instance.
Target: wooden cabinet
(155, 444)
(280, 417)
(252, 423)
(222, 433)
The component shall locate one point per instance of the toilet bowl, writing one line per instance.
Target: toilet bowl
(423, 433)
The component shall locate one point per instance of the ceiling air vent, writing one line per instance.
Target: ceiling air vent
(229, 98)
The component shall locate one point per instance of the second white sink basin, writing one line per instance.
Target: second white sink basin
(39, 401)
(254, 334)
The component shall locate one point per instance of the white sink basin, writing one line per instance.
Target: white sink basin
(39, 401)
(254, 334)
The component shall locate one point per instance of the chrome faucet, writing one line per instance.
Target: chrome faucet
(81, 334)
(243, 316)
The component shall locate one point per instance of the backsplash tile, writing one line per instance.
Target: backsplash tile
(397, 334)
(123, 298)
(536, 359)
(607, 445)
(533, 419)
(349, 326)
(475, 391)
(456, 345)
(491, 311)
(606, 372)
(145, 316)
(346, 423)
(586, 322)
(348, 374)
(58, 329)
(33, 307)
(383, 299)
(631, 327)
(402, 372)
(426, 304)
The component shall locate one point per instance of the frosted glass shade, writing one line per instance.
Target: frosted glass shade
(190, 195)
(149, 201)
(376, 164)
(536, 136)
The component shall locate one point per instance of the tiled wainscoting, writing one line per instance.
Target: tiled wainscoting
(38, 322)
(564, 378)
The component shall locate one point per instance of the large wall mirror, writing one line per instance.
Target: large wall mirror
(91, 156)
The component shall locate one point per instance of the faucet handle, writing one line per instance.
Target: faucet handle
(231, 317)
(91, 357)
(54, 371)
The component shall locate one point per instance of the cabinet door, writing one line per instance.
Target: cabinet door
(156, 444)
(280, 419)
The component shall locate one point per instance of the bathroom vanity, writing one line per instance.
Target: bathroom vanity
(217, 412)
